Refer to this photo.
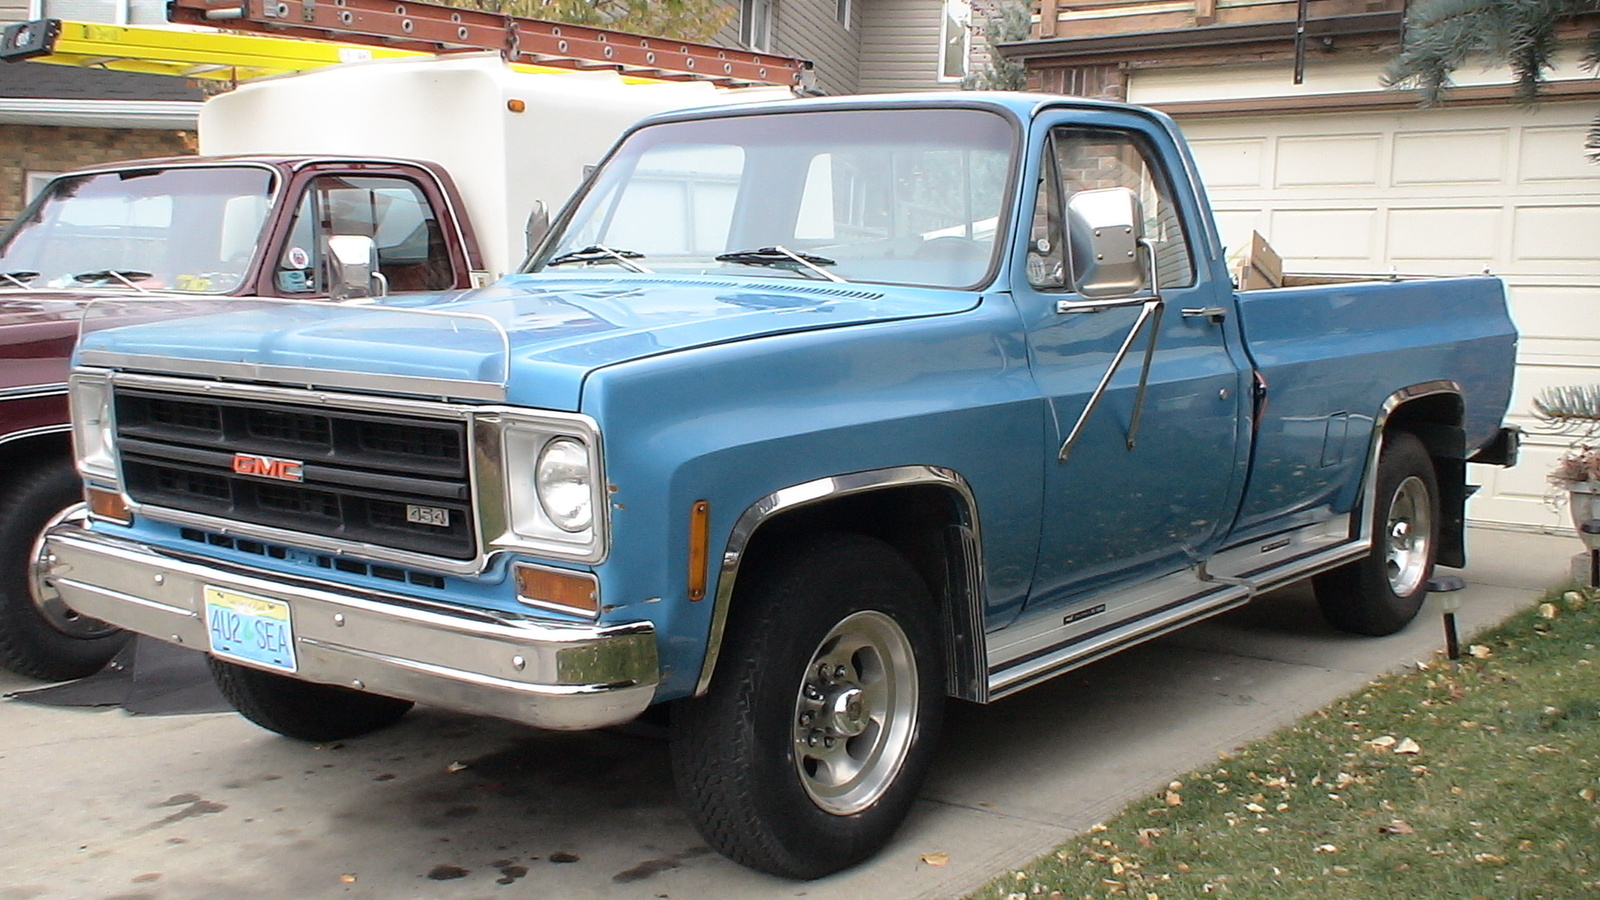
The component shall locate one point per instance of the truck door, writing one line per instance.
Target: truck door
(1138, 494)
(413, 254)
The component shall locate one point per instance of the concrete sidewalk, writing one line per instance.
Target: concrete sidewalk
(103, 804)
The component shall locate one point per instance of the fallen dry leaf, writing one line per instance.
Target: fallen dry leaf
(1408, 746)
(348, 878)
(1173, 799)
(1397, 827)
(1382, 743)
(1479, 651)
(936, 859)
(1547, 610)
(1327, 848)
(1489, 859)
(1255, 807)
(455, 767)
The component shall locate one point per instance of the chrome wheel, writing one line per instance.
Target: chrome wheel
(46, 599)
(855, 714)
(1408, 534)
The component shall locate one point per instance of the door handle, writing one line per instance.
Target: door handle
(1215, 313)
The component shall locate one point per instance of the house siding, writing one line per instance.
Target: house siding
(810, 30)
(900, 46)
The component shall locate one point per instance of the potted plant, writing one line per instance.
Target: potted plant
(1575, 410)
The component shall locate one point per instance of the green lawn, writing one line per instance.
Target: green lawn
(1474, 779)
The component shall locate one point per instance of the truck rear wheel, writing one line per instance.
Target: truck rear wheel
(811, 745)
(1381, 593)
(40, 637)
(304, 710)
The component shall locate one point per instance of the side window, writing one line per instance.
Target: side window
(1079, 159)
(394, 212)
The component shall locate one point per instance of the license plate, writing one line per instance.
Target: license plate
(250, 629)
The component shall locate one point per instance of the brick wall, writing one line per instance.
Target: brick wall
(43, 148)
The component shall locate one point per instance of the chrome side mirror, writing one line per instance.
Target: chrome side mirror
(538, 226)
(1105, 228)
(353, 268)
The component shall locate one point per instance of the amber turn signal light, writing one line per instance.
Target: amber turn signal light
(699, 546)
(106, 504)
(561, 589)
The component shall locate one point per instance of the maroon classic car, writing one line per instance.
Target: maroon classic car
(171, 232)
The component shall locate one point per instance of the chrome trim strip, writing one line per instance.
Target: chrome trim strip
(35, 432)
(550, 675)
(1171, 602)
(795, 496)
(28, 392)
(1362, 523)
(485, 466)
(329, 378)
(1207, 600)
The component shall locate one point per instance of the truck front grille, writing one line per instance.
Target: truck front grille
(394, 481)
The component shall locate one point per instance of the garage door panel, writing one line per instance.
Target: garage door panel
(1328, 160)
(1475, 237)
(1225, 164)
(1565, 238)
(1235, 225)
(1563, 312)
(1450, 157)
(1553, 154)
(1320, 235)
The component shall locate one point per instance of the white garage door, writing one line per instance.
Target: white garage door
(1452, 191)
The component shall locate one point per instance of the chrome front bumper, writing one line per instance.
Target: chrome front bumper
(548, 675)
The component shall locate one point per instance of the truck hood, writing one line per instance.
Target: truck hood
(37, 331)
(530, 339)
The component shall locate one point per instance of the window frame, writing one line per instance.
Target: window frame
(946, 21)
(761, 42)
(1051, 182)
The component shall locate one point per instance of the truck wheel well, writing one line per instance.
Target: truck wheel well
(1436, 421)
(930, 527)
(27, 454)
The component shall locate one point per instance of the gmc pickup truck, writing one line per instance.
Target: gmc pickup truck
(803, 418)
(252, 217)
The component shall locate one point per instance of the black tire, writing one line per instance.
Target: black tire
(1381, 593)
(304, 710)
(39, 636)
(763, 760)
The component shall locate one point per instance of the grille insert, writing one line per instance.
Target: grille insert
(392, 481)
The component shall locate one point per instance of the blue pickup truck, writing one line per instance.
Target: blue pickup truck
(803, 418)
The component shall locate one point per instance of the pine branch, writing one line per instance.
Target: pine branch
(1443, 35)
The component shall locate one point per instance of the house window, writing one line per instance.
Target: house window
(111, 12)
(755, 24)
(955, 39)
(841, 11)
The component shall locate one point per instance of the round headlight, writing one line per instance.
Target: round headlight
(562, 482)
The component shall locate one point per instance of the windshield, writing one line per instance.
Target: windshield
(191, 229)
(904, 196)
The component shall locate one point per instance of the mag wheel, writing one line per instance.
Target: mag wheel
(40, 636)
(1381, 593)
(810, 746)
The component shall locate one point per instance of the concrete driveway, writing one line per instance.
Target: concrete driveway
(102, 804)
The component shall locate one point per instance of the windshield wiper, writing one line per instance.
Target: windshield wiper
(780, 257)
(19, 278)
(126, 276)
(601, 253)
